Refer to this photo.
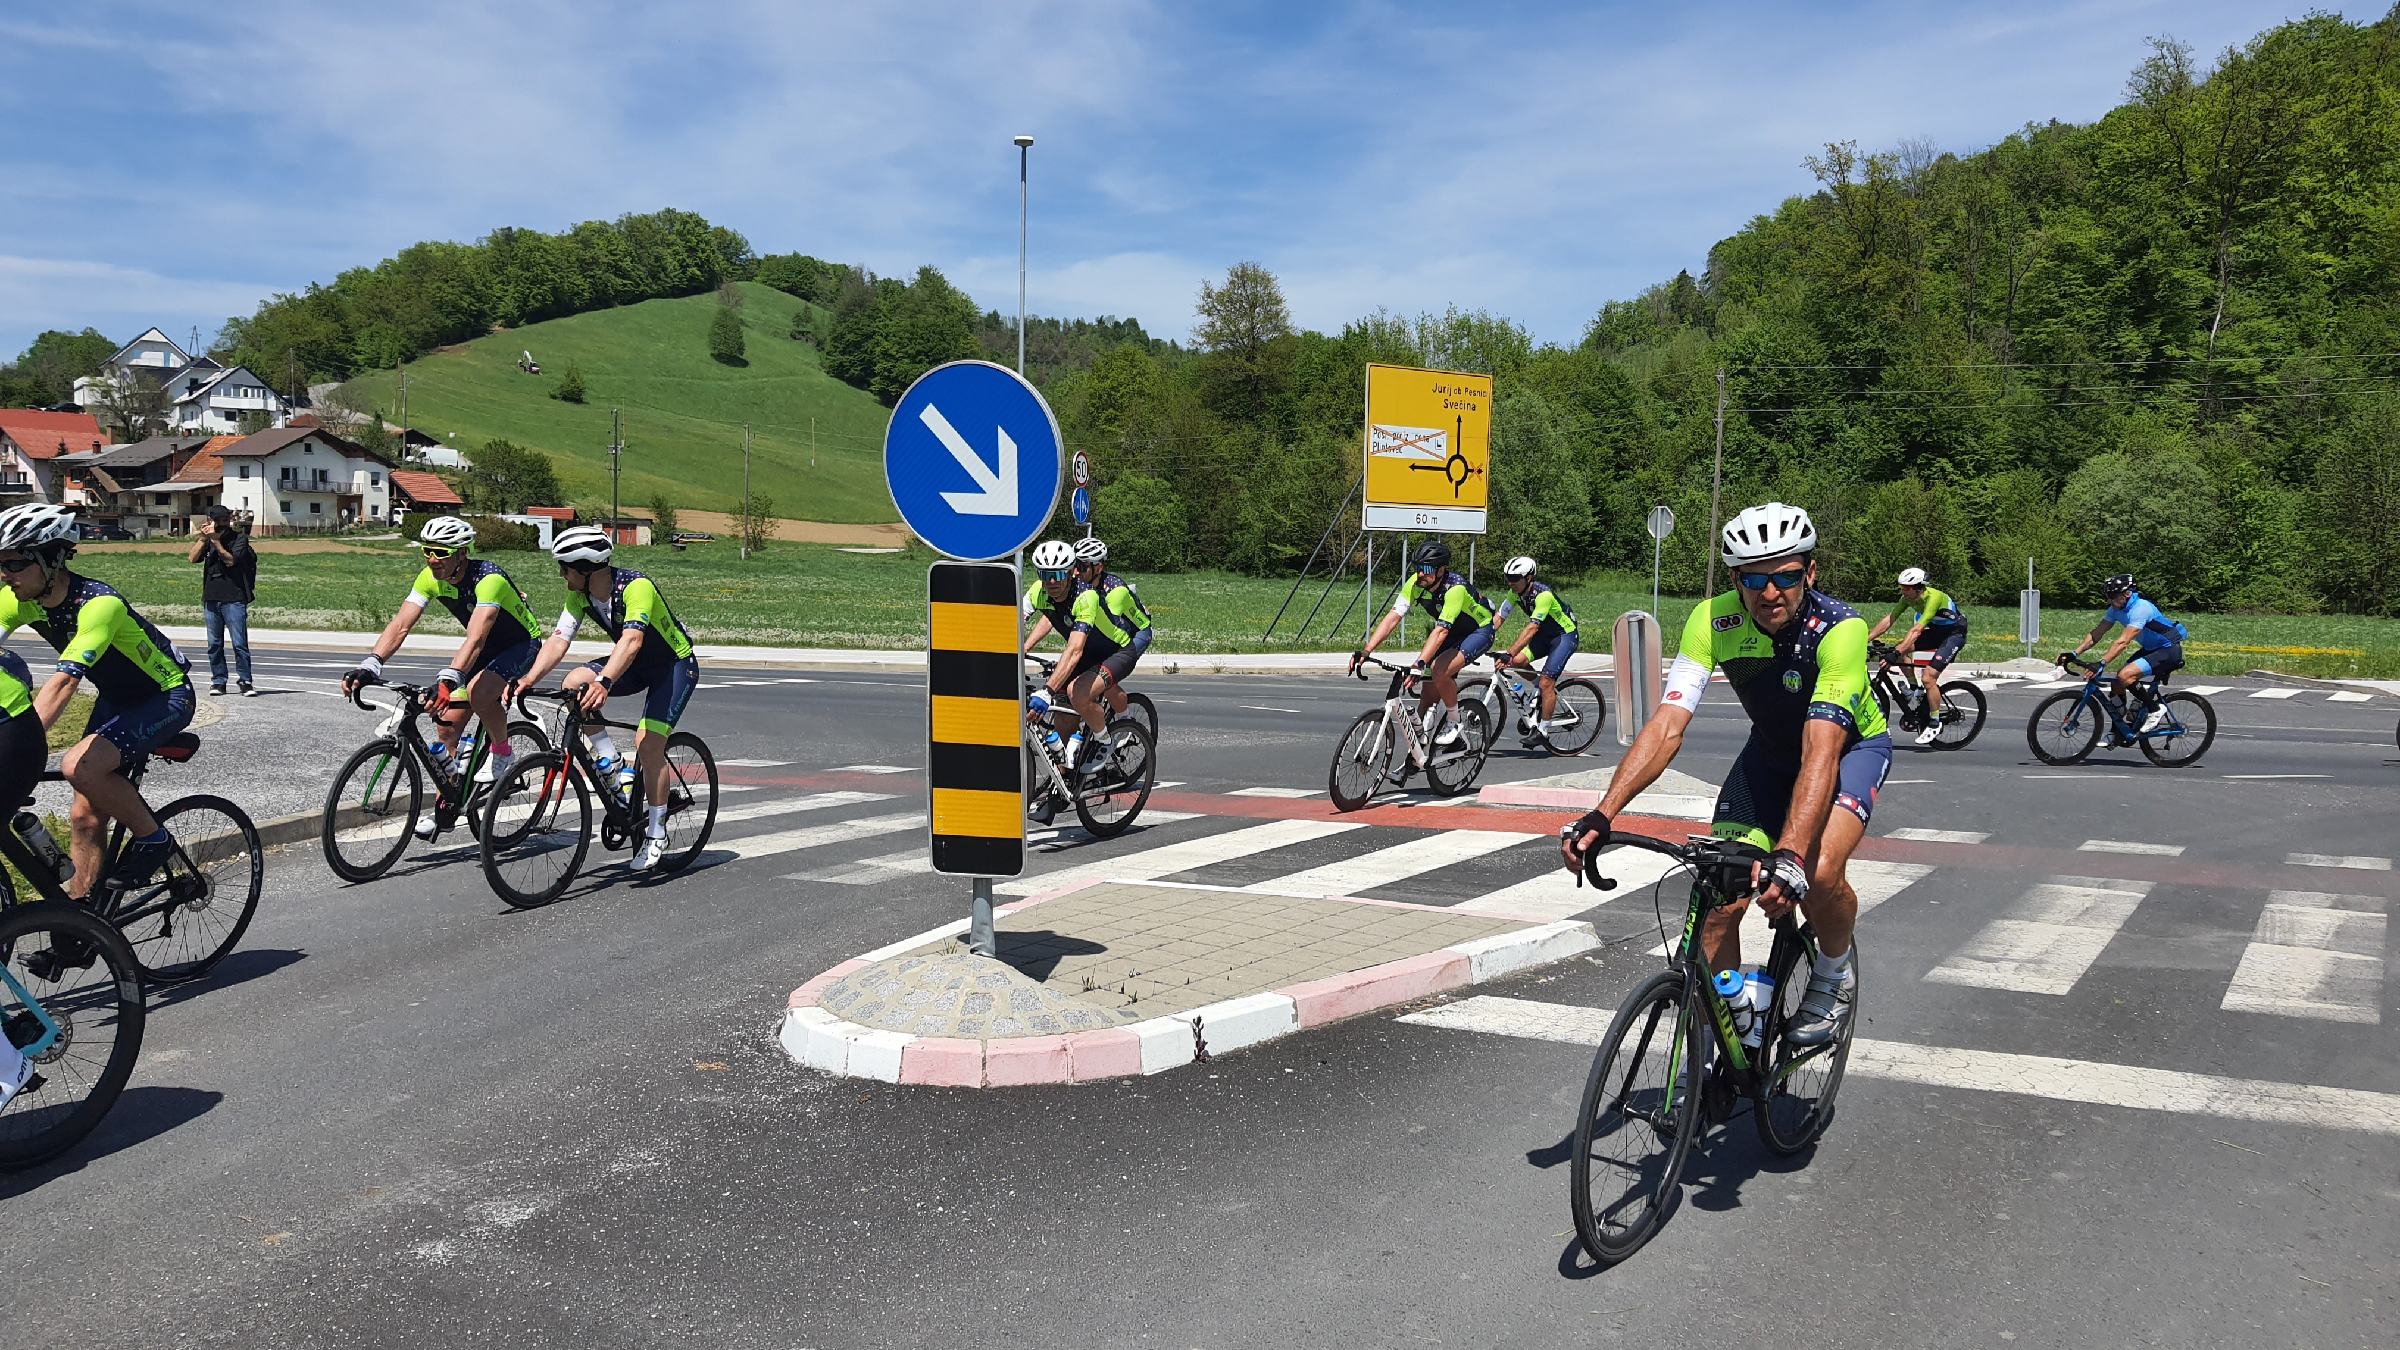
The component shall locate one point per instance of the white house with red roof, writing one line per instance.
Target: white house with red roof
(295, 479)
(202, 395)
(29, 443)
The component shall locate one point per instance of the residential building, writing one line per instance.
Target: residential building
(296, 479)
(137, 486)
(30, 442)
(200, 395)
(423, 493)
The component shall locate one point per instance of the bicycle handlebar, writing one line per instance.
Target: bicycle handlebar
(1698, 852)
(1373, 660)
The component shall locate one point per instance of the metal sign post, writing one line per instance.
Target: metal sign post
(1636, 649)
(1660, 524)
(2029, 612)
(977, 511)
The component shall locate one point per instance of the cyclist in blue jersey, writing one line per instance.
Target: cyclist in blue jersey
(2157, 640)
(1460, 632)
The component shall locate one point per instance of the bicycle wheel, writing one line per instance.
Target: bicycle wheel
(537, 824)
(186, 918)
(2190, 729)
(2063, 729)
(371, 808)
(691, 799)
(1142, 712)
(1117, 781)
(1576, 716)
(1453, 770)
(1795, 1092)
(1360, 760)
(1962, 715)
(1635, 1127)
(70, 1002)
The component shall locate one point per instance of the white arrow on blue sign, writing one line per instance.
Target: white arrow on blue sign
(1081, 504)
(973, 459)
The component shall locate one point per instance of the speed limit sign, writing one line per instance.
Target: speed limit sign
(1082, 469)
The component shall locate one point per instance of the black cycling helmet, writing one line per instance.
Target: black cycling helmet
(2120, 584)
(1435, 555)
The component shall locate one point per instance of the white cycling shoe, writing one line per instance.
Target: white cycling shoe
(651, 853)
(425, 827)
(1931, 733)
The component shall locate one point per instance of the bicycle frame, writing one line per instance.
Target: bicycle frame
(401, 725)
(107, 901)
(2121, 727)
(615, 812)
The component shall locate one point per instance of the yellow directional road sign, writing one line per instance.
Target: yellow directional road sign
(975, 685)
(1429, 450)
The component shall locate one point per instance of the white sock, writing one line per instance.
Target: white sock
(602, 745)
(1834, 967)
(658, 822)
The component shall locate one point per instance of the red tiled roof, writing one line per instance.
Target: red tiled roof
(206, 468)
(559, 513)
(425, 489)
(45, 435)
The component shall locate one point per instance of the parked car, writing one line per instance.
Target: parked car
(100, 529)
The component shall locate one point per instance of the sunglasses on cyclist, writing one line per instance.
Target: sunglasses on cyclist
(1056, 573)
(15, 565)
(1788, 579)
(581, 569)
(437, 554)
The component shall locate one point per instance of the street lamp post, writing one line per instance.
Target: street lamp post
(1024, 144)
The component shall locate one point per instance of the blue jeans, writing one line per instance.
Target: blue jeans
(228, 617)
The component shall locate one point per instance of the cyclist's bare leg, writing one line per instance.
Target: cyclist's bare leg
(1932, 680)
(1084, 693)
(488, 696)
(576, 680)
(1549, 697)
(1114, 692)
(101, 795)
(1721, 936)
(1832, 906)
(1444, 677)
(650, 752)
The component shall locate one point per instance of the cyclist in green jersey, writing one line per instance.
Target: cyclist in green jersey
(1097, 634)
(23, 751)
(1549, 628)
(652, 657)
(1125, 608)
(1461, 631)
(142, 694)
(501, 642)
(1806, 782)
(1939, 627)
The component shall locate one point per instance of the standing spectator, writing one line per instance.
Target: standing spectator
(228, 582)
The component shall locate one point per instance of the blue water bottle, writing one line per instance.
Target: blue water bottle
(1730, 988)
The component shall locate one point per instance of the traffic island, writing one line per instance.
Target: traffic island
(1111, 979)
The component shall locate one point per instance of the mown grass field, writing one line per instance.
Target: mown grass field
(683, 410)
(815, 596)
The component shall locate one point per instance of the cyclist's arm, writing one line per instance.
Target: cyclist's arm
(396, 632)
(1041, 629)
(2117, 648)
(52, 700)
(554, 650)
(1525, 637)
(1064, 671)
(621, 656)
(1881, 625)
(1812, 793)
(479, 631)
(2093, 636)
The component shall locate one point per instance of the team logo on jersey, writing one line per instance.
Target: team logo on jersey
(1674, 696)
(1815, 624)
(1726, 623)
(1791, 680)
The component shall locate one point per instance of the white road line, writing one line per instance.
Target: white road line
(816, 836)
(2266, 777)
(723, 788)
(722, 683)
(1941, 836)
(2055, 934)
(1388, 866)
(1151, 864)
(2274, 693)
(2208, 689)
(795, 679)
(1162, 784)
(2314, 955)
(874, 768)
(1553, 893)
(1259, 707)
(2056, 684)
(2354, 861)
(1875, 882)
(869, 871)
(2092, 1082)
(2078, 777)
(2347, 696)
(785, 806)
(1282, 793)
(2130, 846)
(752, 763)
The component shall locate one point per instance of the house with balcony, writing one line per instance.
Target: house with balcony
(296, 479)
(202, 396)
(31, 442)
(135, 486)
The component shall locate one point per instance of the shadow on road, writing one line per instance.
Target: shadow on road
(140, 1115)
(241, 967)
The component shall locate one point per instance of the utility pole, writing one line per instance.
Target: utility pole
(812, 442)
(1716, 488)
(1024, 146)
(746, 486)
(403, 412)
(616, 448)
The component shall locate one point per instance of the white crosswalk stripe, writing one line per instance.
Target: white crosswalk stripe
(752, 763)
(1942, 836)
(874, 768)
(1281, 793)
(2055, 934)
(2356, 862)
(2208, 690)
(1554, 892)
(1373, 871)
(2347, 696)
(816, 836)
(785, 806)
(1183, 856)
(2274, 693)
(2314, 955)
(2130, 846)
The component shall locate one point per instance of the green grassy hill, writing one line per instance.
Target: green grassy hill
(683, 411)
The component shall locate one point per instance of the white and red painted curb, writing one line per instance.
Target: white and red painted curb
(823, 1041)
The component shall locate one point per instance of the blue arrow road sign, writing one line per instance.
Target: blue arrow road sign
(973, 460)
(1082, 502)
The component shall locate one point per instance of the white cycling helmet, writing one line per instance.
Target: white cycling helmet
(1770, 531)
(35, 525)
(447, 532)
(1912, 576)
(1090, 551)
(583, 544)
(1519, 566)
(1052, 555)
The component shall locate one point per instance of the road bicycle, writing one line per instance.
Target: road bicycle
(537, 819)
(187, 915)
(1895, 685)
(71, 1006)
(1672, 1059)
(1576, 715)
(2065, 728)
(1362, 760)
(1138, 706)
(1110, 787)
(378, 797)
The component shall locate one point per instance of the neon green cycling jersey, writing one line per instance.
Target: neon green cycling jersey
(1546, 609)
(1815, 672)
(483, 584)
(1936, 612)
(1448, 601)
(1131, 614)
(100, 637)
(636, 604)
(16, 685)
(1104, 635)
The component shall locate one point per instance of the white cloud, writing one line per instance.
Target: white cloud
(108, 297)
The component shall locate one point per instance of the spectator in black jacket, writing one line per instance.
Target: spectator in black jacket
(228, 583)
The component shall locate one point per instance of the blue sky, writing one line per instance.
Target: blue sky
(1534, 160)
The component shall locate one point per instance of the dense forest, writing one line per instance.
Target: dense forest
(2165, 342)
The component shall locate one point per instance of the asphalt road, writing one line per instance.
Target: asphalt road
(403, 1115)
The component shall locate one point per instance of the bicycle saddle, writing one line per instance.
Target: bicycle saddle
(178, 747)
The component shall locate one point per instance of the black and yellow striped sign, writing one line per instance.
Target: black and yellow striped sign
(975, 686)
